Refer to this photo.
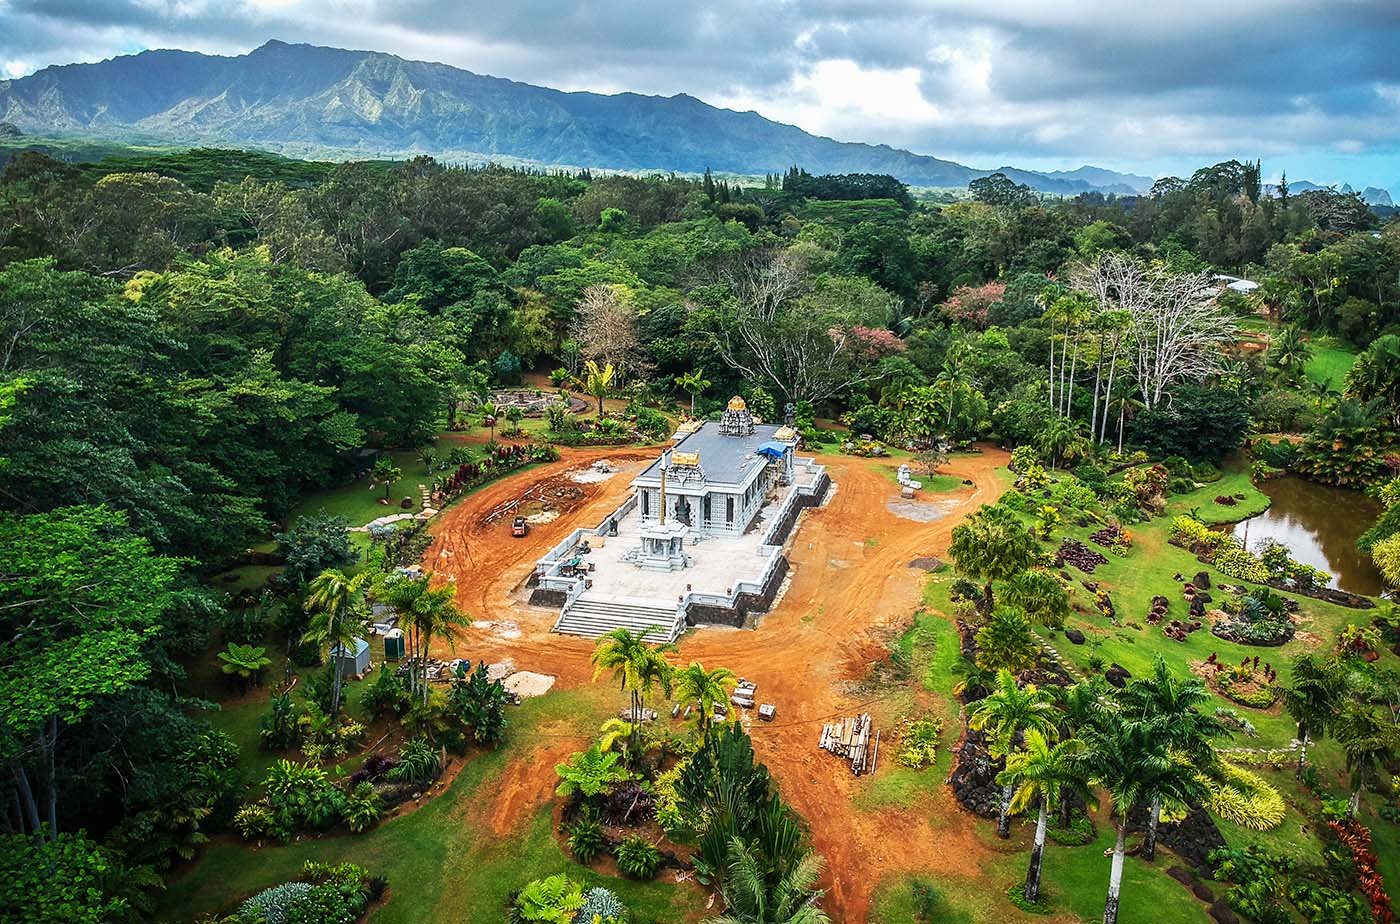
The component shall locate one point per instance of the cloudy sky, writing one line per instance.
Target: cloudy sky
(1310, 86)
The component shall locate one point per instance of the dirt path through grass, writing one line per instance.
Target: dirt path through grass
(850, 582)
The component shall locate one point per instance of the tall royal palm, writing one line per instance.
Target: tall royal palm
(336, 605)
(637, 667)
(1005, 714)
(1170, 704)
(1121, 754)
(1370, 741)
(1043, 775)
(704, 689)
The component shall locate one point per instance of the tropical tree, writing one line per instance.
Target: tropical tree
(752, 897)
(1043, 775)
(1061, 439)
(1289, 352)
(336, 605)
(245, 662)
(430, 613)
(1005, 714)
(1041, 595)
(693, 382)
(1120, 754)
(490, 414)
(1370, 740)
(705, 689)
(598, 381)
(1006, 641)
(1169, 705)
(385, 472)
(637, 667)
(428, 457)
(992, 545)
(1376, 375)
(1314, 699)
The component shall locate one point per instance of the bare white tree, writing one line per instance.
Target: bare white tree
(605, 329)
(772, 339)
(1176, 333)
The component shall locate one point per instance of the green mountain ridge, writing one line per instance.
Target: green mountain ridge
(282, 96)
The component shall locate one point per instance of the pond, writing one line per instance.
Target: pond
(1320, 526)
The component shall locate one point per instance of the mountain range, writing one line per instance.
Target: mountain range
(362, 103)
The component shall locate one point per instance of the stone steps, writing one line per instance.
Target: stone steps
(591, 616)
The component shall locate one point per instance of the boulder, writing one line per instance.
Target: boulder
(1075, 636)
(1223, 913)
(1202, 580)
(1117, 675)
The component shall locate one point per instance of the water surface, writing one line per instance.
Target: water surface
(1320, 525)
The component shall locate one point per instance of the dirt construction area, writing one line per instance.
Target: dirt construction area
(851, 584)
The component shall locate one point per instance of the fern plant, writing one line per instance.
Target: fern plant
(586, 837)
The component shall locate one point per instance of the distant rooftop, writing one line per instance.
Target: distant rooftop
(725, 459)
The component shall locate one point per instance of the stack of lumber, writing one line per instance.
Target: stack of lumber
(850, 738)
(744, 693)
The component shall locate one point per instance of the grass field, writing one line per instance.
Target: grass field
(1329, 362)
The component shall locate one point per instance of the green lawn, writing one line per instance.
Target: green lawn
(1329, 362)
(442, 861)
(359, 501)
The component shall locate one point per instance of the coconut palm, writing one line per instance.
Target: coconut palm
(598, 381)
(430, 613)
(992, 545)
(705, 689)
(1314, 699)
(1007, 641)
(693, 382)
(1041, 595)
(1043, 776)
(385, 472)
(1170, 704)
(336, 605)
(1005, 714)
(637, 667)
(752, 897)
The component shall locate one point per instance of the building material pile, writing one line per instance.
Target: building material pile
(851, 738)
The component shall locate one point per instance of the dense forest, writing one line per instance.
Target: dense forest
(190, 344)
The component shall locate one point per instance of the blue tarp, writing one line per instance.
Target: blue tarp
(772, 450)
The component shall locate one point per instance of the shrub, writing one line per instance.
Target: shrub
(387, 695)
(253, 820)
(1240, 564)
(300, 796)
(600, 907)
(418, 761)
(280, 728)
(555, 899)
(586, 836)
(271, 906)
(918, 742)
(362, 808)
(1242, 797)
(637, 858)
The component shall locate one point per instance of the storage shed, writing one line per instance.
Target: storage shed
(354, 661)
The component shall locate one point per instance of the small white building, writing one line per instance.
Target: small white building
(716, 475)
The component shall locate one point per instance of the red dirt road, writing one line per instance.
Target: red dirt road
(850, 584)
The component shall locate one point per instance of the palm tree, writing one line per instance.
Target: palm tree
(1370, 740)
(1005, 714)
(1289, 352)
(336, 605)
(489, 413)
(1120, 755)
(1169, 705)
(1314, 699)
(638, 668)
(992, 545)
(955, 383)
(693, 382)
(385, 472)
(704, 688)
(1043, 775)
(1007, 641)
(598, 381)
(428, 457)
(751, 898)
(1062, 439)
(1041, 595)
(430, 613)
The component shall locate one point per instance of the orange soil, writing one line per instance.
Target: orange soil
(850, 587)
